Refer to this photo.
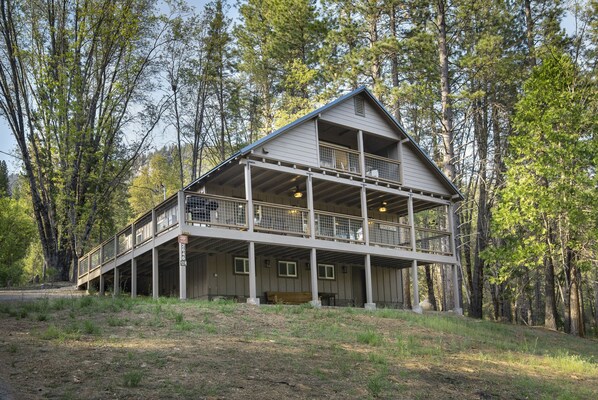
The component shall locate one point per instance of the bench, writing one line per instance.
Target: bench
(288, 297)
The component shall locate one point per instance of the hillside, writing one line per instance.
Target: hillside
(98, 348)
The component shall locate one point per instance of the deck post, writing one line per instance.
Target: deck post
(88, 270)
(361, 149)
(249, 198)
(182, 271)
(369, 305)
(457, 310)
(102, 283)
(313, 263)
(411, 222)
(133, 277)
(253, 299)
(364, 215)
(155, 273)
(415, 307)
(310, 206)
(116, 281)
(182, 217)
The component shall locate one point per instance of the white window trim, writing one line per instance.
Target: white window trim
(327, 268)
(287, 263)
(245, 266)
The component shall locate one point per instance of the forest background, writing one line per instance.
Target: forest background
(114, 105)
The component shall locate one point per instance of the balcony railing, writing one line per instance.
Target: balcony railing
(339, 227)
(339, 158)
(346, 160)
(108, 251)
(167, 215)
(432, 241)
(228, 212)
(391, 234)
(280, 219)
(211, 210)
(382, 168)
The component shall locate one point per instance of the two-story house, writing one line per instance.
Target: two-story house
(334, 205)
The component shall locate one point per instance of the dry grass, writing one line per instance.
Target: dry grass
(97, 348)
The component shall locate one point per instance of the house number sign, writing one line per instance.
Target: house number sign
(182, 254)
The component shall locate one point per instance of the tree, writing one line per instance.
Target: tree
(70, 72)
(554, 184)
(16, 231)
(4, 181)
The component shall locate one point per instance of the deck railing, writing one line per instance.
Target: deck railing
(432, 241)
(280, 219)
(331, 226)
(108, 251)
(228, 212)
(346, 160)
(125, 241)
(167, 215)
(382, 168)
(212, 210)
(339, 158)
(392, 234)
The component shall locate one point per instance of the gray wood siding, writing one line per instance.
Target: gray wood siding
(298, 145)
(387, 287)
(373, 122)
(197, 274)
(418, 174)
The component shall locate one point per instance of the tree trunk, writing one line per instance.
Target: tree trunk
(394, 63)
(430, 284)
(529, 30)
(576, 322)
(551, 316)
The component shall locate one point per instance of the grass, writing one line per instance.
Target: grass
(144, 348)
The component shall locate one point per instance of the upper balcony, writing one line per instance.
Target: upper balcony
(358, 153)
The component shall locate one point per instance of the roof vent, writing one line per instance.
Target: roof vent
(359, 106)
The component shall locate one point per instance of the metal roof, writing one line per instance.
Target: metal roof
(247, 149)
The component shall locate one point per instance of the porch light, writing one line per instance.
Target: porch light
(297, 193)
(382, 208)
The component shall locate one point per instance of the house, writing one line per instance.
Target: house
(329, 209)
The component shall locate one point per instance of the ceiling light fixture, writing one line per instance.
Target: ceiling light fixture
(382, 208)
(297, 193)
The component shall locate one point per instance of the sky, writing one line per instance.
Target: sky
(8, 143)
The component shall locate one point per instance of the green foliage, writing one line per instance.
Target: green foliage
(4, 182)
(551, 180)
(16, 231)
(132, 378)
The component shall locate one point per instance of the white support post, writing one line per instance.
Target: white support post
(116, 282)
(249, 197)
(411, 222)
(253, 299)
(369, 305)
(415, 307)
(155, 277)
(88, 270)
(361, 149)
(102, 283)
(310, 206)
(457, 309)
(364, 215)
(182, 271)
(313, 263)
(133, 277)
(182, 215)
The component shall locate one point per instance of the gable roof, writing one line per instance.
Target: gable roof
(247, 149)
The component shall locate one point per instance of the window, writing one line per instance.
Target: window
(241, 266)
(325, 271)
(287, 269)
